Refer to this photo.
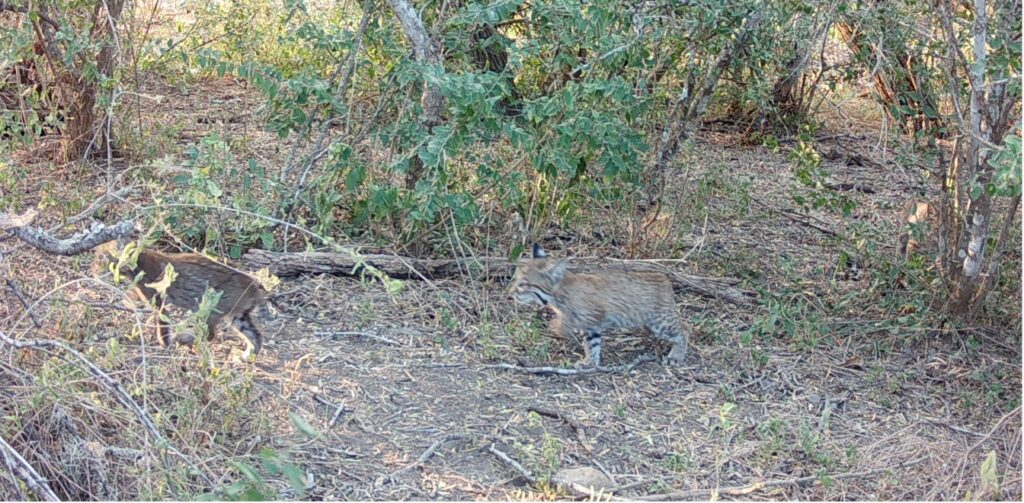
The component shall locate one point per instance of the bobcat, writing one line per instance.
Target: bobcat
(241, 295)
(920, 217)
(594, 303)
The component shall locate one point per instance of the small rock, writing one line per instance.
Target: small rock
(584, 476)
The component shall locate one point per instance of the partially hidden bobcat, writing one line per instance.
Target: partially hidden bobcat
(241, 295)
(594, 303)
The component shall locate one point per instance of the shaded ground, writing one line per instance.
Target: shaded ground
(766, 394)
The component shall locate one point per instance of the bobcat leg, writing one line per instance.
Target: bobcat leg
(592, 347)
(163, 333)
(253, 340)
(211, 329)
(672, 331)
(565, 328)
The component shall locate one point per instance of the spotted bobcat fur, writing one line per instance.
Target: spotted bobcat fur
(594, 303)
(241, 295)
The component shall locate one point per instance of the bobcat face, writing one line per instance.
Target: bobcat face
(537, 279)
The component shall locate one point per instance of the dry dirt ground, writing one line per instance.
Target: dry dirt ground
(864, 411)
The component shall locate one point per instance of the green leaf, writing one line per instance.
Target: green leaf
(517, 251)
(303, 426)
(989, 477)
(166, 279)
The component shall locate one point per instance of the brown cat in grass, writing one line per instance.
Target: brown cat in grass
(241, 295)
(597, 302)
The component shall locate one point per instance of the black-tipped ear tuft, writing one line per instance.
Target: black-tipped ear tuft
(538, 252)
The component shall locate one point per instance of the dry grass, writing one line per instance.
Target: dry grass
(866, 395)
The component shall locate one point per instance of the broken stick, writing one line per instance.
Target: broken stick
(562, 371)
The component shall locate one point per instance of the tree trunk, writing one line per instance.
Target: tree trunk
(432, 101)
(80, 94)
(992, 113)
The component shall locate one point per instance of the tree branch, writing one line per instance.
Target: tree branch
(24, 471)
(82, 241)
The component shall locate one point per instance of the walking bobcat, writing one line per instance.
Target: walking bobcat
(595, 303)
(241, 295)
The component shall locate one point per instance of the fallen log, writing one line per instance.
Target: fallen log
(395, 266)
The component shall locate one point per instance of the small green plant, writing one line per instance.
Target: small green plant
(551, 456)
(679, 462)
(774, 432)
(254, 487)
(813, 178)
(529, 339)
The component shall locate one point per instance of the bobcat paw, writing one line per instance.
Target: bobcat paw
(242, 357)
(185, 338)
(677, 356)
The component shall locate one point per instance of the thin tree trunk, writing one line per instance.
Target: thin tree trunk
(690, 107)
(979, 210)
(80, 94)
(432, 100)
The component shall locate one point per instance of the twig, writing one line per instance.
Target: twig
(992, 431)
(16, 290)
(113, 386)
(24, 471)
(514, 464)
(631, 485)
(427, 454)
(337, 415)
(93, 208)
(561, 371)
(965, 431)
(338, 409)
(577, 428)
(800, 219)
(336, 335)
(757, 486)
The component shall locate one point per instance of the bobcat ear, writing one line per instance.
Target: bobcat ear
(538, 252)
(557, 271)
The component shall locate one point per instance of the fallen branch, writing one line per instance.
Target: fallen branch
(561, 371)
(427, 454)
(24, 471)
(714, 492)
(338, 335)
(575, 425)
(293, 264)
(82, 241)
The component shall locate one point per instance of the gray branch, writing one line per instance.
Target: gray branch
(82, 241)
(24, 471)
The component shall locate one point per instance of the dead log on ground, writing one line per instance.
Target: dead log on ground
(292, 264)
